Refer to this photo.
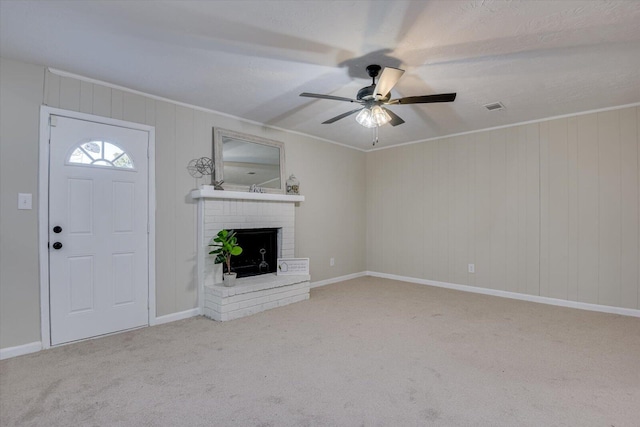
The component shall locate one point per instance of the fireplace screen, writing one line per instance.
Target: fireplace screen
(259, 252)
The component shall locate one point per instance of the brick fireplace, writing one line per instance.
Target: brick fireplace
(219, 210)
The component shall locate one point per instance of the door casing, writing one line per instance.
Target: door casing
(43, 210)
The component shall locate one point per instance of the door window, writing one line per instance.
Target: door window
(101, 154)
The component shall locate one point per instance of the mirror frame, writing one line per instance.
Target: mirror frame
(218, 159)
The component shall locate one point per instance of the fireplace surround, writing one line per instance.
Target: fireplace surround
(219, 210)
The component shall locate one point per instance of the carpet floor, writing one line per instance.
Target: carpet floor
(366, 352)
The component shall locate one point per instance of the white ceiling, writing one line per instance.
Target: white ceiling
(252, 59)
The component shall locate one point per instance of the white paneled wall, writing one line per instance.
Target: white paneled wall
(547, 209)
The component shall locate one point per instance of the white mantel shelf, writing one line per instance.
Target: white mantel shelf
(208, 192)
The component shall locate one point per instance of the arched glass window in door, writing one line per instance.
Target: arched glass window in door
(101, 154)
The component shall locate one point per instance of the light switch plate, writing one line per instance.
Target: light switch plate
(25, 201)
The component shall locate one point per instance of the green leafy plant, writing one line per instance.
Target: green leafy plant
(226, 245)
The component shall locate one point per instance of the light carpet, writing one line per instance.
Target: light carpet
(366, 352)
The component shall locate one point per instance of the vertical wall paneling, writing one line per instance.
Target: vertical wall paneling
(557, 214)
(185, 213)
(69, 94)
(150, 112)
(376, 210)
(411, 264)
(483, 218)
(117, 107)
(532, 135)
(419, 171)
(52, 94)
(370, 203)
(498, 208)
(442, 206)
(451, 181)
(544, 208)
(101, 101)
(379, 201)
(429, 187)
(395, 210)
(402, 211)
(21, 95)
(386, 221)
(460, 231)
(629, 210)
(588, 210)
(202, 143)
(512, 172)
(383, 184)
(373, 239)
(609, 207)
(471, 211)
(572, 232)
(86, 97)
(133, 108)
(165, 208)
(521, 143)
(549, 208)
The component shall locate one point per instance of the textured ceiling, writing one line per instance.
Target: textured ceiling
(252, 59)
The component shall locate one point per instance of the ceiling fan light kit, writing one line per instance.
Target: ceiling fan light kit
(374, 117)
(373, 97)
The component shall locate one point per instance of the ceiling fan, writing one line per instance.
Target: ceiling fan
(372, 114)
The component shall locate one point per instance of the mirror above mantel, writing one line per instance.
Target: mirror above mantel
(243, 160)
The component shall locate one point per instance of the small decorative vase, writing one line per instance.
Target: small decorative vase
(229, 279)
(293, 185)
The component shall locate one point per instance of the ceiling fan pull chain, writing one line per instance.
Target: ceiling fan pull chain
(375, 136)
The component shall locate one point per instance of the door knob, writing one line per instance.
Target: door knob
(57, 229)
(57, 245)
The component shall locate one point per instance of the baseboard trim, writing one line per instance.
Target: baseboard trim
(9, 352)
(177, 316)
(337, 279)
(512, 295)
(20, 350)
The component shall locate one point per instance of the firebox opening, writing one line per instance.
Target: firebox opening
(259, 252)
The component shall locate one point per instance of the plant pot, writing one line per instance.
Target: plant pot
(229, 279)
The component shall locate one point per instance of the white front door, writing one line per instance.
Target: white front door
(98, 229)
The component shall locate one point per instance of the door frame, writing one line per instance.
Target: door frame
(43, 210)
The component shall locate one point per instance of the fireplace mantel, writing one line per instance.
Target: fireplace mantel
(207, 192)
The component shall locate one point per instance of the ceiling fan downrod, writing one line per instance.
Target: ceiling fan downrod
(373, 70)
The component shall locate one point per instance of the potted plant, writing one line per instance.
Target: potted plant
(226, 245)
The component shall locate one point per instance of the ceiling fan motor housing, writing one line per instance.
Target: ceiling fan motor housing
(366, 93)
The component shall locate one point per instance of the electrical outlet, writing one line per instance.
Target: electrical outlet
(332, 262)
(472, 268)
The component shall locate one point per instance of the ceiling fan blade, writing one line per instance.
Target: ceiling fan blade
(341, 116)
(321, 96)
(425, 99)
(387, 81)
(395, 119)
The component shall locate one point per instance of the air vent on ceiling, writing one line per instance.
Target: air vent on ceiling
(494, 106)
